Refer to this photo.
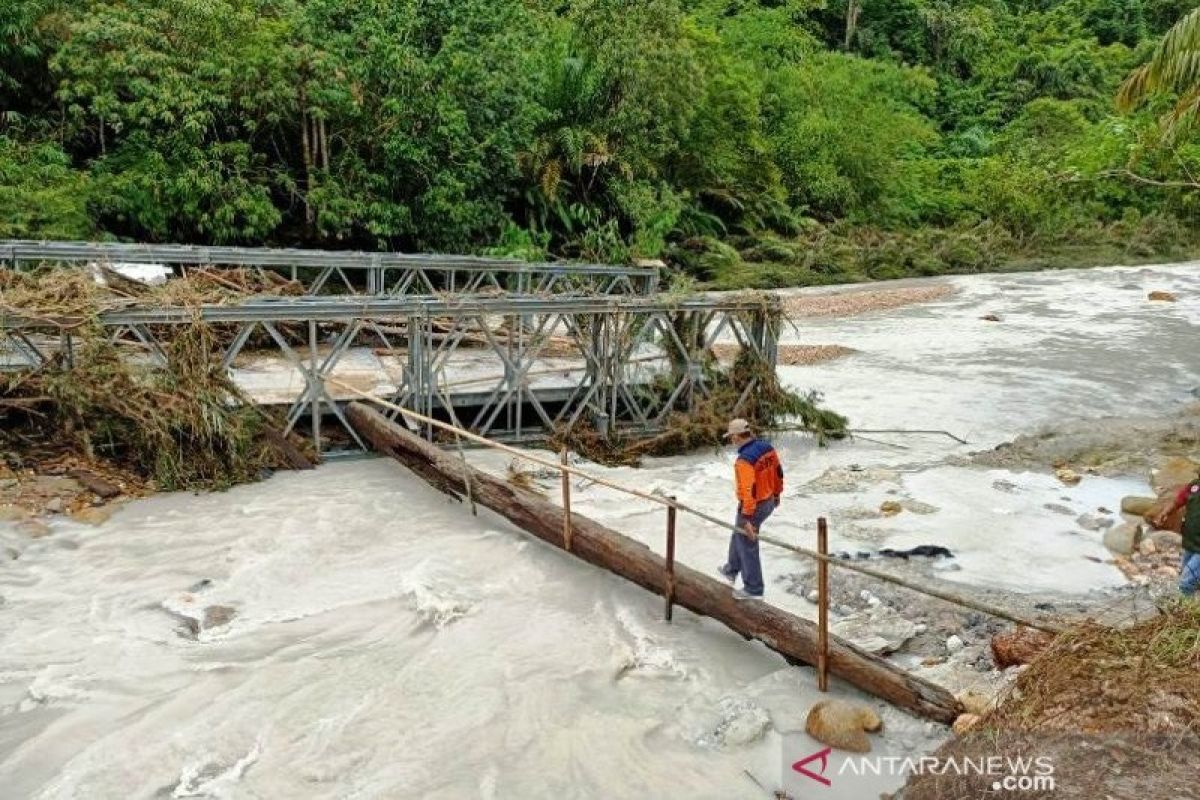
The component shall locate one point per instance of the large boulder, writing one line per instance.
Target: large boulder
(1019, 646)
(1138, 506)
(1123, 539)
(1173, 472)
(843, 725)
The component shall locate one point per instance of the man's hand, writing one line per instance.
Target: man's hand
(751, 531)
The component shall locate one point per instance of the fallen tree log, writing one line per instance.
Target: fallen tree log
(789, 635)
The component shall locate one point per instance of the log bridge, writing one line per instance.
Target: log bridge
(792, 637)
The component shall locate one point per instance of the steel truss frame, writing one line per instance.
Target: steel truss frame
(332, 272)
(633, 363)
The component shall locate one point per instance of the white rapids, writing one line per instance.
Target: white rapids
(376, 641)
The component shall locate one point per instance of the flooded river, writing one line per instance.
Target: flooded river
(371, 639)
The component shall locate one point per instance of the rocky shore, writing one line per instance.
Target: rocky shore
(33, 493)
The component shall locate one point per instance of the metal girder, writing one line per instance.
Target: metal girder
(632, 363)
(419, 273)
(330, 309)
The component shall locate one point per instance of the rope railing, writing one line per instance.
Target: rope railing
(1049, 626)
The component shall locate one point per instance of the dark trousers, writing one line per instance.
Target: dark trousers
(743, 553)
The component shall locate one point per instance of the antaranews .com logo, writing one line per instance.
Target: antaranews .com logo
(828, 773)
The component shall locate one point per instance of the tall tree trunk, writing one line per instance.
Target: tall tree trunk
(306, 146)
(853, 9)
(324, 137)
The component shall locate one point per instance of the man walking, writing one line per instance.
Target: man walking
(1189, 500)
(758, 477)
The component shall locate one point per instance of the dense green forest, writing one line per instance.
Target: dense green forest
(749, 142)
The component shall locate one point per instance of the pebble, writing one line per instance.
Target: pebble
(955, 643)
(812, 596)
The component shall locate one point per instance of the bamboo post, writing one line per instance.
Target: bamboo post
(670, 589)
(822, 607)
(566, 500)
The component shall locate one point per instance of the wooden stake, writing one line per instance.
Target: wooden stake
(566, 501)
(670, 589)
(822, 607)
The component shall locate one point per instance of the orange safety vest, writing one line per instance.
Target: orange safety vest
(758, 475)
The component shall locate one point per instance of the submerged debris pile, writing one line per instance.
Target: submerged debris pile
(749, 389)
(181, 424)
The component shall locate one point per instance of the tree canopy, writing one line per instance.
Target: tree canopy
(749, 141)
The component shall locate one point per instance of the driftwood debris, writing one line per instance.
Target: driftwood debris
(289, 452)
(785, 633)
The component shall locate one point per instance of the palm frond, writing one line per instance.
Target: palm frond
(1173, 67)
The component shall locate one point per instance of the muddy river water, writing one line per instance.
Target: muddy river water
(377, 641)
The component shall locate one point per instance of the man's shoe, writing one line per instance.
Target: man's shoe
(725, 575)
(738, 594)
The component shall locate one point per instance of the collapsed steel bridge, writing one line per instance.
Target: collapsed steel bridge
(333, 272)
(512, 367)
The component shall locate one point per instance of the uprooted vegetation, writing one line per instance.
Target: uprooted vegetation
(168, 414)
(750, 388)
(179, 424)
(1116, 710)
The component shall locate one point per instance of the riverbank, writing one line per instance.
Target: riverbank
(843, 254)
